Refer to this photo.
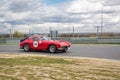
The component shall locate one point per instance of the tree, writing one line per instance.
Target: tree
(18, 34)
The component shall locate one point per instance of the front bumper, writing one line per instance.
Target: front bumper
(63, 48)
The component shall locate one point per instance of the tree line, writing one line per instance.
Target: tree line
(18, 34)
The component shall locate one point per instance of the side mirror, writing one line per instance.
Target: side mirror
(40, 42)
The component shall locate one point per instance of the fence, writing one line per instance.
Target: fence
(79, 40)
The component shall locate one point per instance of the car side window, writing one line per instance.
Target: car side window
(35, 39)
(42, 38)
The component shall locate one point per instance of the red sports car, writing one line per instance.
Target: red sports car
(40, 42)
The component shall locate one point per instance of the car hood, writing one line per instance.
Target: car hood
(64, 43)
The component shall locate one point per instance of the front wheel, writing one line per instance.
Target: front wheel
(65, 49)
(52, 48)
(26, 48)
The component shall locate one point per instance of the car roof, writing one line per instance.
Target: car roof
(35, 36)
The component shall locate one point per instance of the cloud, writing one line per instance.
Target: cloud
(24, 5)
(84, 15)
(112, 2)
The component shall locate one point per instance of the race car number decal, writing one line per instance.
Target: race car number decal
(35, 44)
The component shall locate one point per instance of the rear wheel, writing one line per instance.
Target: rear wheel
(52, 48)
(26, 48)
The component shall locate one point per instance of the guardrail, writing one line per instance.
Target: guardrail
(82, 40)
(92, 40)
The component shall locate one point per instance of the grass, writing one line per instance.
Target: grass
(36, 67)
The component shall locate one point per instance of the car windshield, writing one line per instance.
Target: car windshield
(44, 38)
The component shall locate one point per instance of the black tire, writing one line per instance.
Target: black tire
(65, 49)
(52, 49)
(26, 48)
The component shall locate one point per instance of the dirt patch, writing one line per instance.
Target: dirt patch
(40, 67)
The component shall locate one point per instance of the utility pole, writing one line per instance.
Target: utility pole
(10, 36)
(32, 30)
(73, 31)
(29, 31)
(49, 28)
(97, 33)
(50, 32)
(102, 17)
(69, 31)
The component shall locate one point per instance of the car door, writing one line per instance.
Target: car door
(35, 43)
(42, 43)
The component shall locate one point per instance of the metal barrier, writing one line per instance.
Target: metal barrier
(82, 40)
(2, 41)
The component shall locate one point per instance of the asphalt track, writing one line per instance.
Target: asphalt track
(92, 51)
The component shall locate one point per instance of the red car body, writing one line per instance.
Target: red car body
(43, 43)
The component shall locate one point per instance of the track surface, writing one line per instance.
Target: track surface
(94, 51)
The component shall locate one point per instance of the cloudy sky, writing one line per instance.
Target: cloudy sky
(61, 15)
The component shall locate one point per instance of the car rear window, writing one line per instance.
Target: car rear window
(24, 39)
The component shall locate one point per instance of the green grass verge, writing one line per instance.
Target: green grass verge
(49, 68)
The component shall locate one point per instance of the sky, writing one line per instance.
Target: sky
(38, 16)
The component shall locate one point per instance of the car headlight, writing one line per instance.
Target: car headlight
(70, 44)
(61, 45)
